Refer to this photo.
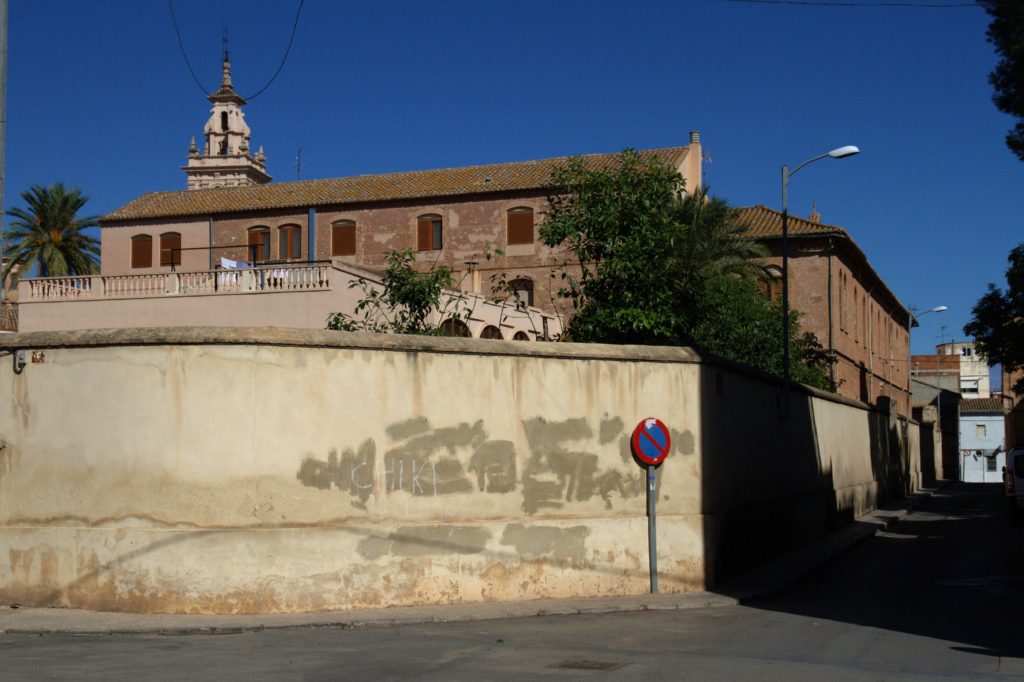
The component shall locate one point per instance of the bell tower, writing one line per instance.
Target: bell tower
(226, 159)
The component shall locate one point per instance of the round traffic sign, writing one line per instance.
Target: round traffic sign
(651, 441)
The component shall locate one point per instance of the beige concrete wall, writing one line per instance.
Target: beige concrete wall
(252, 470)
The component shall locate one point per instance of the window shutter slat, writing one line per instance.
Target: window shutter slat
(520, 227)
(142, 251)
(423, 235)
(343, 240)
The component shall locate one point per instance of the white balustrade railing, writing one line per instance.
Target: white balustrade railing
(281, 278)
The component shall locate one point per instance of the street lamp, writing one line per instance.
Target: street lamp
(911, 321)
(838, 153)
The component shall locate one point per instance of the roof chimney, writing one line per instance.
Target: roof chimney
(815, 217)
(694, 137)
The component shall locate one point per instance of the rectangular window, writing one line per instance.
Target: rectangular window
(980, 430)
(290, 243)
(990, 463)
(259, 245)
(428, 234)
(343, 239)
(170, 248)
(142, 251)
(520, 226)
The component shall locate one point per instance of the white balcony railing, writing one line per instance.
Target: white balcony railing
(278, 278)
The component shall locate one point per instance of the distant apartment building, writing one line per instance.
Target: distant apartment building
(982, 444)
(958, 359)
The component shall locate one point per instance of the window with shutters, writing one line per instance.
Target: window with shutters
(520, 225)
(290, 241)
(522, 289)
(428, 233)
(142, 251)
(170, 248)
(343, 238)
(259, 244)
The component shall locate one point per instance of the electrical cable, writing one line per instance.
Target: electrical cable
(181, 46)
(284, 59)
(822, 3)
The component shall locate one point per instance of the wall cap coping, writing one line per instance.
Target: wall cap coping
(326, 338)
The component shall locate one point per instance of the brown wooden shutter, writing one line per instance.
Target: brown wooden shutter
(142, 251)
(424, 234)
(520, 227)
(169, 245)
(343, 240)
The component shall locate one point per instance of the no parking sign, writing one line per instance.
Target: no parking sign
(651, 441)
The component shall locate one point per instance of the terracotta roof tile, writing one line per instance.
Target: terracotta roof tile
(762, 221)
(766, 223)
(978, 405)
(501, 177)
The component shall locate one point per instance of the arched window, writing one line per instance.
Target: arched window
(770, 283)
(224, 121)
(428, 232)
(170, 248)
(142, 251)
(259, 244)
(520, 225)
(522, 289)
(454, 327)
(521, 336)
(491, 332)
(290, 241)
(343, 238)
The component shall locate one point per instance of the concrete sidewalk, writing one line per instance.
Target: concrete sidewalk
(765, 580)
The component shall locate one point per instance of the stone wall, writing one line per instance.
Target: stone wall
(255, 470)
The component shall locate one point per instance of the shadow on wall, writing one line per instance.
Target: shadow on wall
(767, 487)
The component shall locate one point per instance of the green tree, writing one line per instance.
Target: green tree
(405, 301)
(1006, 33)
(997, 319)
(49, 236)
(650, 265)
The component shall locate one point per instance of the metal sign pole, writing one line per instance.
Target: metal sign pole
(652, 538)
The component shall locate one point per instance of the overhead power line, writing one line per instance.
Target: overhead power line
(825, 3)
(284, 59)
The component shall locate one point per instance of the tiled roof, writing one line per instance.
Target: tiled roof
(501, 177)
(766, 223)
(762, 221)
(978, 405)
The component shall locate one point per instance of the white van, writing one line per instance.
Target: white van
(1013, 477)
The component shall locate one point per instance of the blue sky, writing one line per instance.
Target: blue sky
(99, 97)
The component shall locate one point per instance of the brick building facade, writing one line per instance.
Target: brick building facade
(843, 301)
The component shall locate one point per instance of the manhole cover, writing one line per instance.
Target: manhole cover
(584, 664)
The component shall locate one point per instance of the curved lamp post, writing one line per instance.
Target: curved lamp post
(911, 321)
(838, 153)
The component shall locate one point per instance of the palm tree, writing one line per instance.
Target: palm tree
(50, 236)
(712, 238)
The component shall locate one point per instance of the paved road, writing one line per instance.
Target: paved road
(940, 595)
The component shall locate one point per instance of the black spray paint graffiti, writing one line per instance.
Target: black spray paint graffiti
(429, 461)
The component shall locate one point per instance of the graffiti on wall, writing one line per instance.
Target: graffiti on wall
(562, 466)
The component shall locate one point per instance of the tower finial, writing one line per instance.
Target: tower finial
(224, 42)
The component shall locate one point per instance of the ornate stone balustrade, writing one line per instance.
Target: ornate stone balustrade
(278, 278)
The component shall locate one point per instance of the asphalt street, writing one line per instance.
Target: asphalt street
(939, 595)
